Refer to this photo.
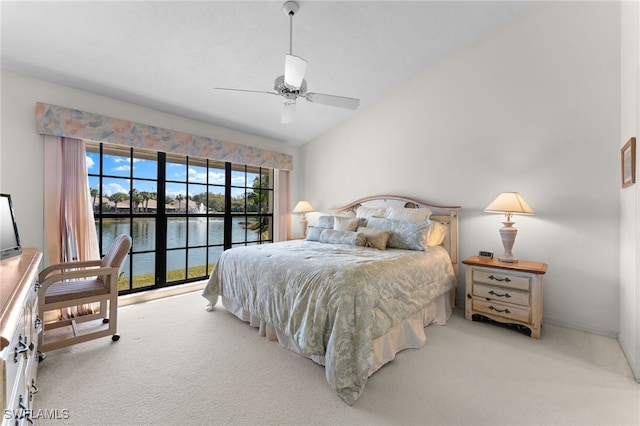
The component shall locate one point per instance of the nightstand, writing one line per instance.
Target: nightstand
(509, 293)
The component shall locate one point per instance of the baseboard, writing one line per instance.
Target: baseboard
(147, 296)
(580, 327)
(634, 363)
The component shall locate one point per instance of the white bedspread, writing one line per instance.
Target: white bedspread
(332, 300)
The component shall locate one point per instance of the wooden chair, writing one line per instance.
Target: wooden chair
(77, 283)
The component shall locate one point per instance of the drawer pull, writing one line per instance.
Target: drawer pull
(505, 310)
(21, 405)
(34, 389)
(20, 349)
(507, 280)
(493, 293)
(25, 413)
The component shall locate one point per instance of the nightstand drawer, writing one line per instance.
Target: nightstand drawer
(505, 311)
(504, 280)
(504, 294)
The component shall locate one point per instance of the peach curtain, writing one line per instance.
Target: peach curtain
(281, 217)
(69, 225)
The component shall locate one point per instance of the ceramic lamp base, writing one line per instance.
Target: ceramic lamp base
(508, 235)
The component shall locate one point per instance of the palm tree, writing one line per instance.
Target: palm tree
(179, 197)
(118, 197)
(94, 195)
(146, 196)
(136, 199)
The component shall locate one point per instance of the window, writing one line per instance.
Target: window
(180, 211)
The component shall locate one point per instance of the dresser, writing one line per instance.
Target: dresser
(510, 293)
(19, 330)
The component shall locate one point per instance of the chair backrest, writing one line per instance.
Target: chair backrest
(117, 252)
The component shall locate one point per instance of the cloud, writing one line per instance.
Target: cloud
(173, 192)
(195, 176)
(238, 180)
(89, 161)
(111, 188)
(216, 178)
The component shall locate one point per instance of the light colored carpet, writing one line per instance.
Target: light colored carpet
(177, 364)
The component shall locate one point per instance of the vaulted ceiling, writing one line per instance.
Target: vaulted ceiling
(170, 55)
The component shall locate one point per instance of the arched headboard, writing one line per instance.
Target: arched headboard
(447, 215)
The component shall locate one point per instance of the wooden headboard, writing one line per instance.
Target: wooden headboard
(447, 215)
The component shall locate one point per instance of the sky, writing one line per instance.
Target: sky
(145, 175)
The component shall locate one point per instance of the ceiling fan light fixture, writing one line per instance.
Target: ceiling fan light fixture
(288, 111)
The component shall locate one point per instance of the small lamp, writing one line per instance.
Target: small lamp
(509, 203)
(303, 207)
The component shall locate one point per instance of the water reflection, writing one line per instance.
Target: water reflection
(180, 231)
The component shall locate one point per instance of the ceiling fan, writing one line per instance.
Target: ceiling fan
(292, 84)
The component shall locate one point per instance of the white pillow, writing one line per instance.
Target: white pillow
(367, 212)
(436, 234)
(341, 223)
(410, 215)
(329, 222)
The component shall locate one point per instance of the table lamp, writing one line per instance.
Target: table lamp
(509, 203)
(303, 207)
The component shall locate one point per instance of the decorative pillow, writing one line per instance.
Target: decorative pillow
(404, 235)
(341, 223)
(410, 215)
(436, 234)
(313, 233)
(325, 222)
(333, 236)
(376, 238)
(367, 212)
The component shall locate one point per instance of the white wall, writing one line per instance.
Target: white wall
(629, 197)
(534, 108)
(21, 163)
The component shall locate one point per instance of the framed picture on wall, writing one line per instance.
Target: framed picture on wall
(628, 158)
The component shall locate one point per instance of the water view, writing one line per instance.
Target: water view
(180, 232)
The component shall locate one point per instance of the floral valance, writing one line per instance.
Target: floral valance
(60, 121)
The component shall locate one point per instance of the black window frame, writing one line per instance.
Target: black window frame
(262, 217)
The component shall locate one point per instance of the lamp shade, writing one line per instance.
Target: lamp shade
(509, 203)
(302, 207)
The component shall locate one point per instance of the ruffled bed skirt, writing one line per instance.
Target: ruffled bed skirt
(410, 333)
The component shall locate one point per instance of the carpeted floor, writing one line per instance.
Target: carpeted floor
(178, 364)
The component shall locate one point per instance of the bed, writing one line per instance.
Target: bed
(349, 296)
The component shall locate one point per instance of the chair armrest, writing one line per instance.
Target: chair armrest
(85, 273)
(69, 265)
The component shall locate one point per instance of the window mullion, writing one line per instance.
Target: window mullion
(228, 219)
(161, 222)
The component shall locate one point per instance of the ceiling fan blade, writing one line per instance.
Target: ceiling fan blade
(288, 112)
(243, 90)
(294, 69)
(337, 101)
